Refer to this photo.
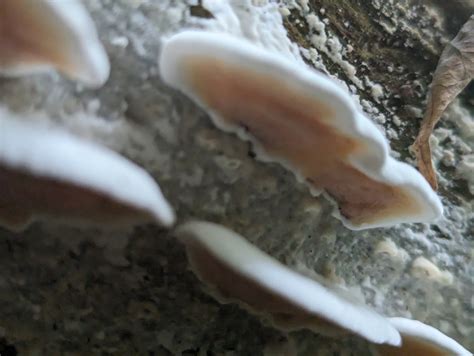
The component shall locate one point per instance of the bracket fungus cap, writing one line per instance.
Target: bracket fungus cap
(237, 271)
(46, 173)
(303, 120)
(39, 34)
(421, 339)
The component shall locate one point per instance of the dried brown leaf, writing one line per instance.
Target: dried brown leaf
(454, 72)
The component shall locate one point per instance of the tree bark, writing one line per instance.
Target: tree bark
(66, 290)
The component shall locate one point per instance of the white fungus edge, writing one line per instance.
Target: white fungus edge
(93, 66)
(57, 155)
(246, 259)
(429, 334)
(375, 163)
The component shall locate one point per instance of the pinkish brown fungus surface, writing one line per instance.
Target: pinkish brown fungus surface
(303, 120)
(234, 270)
(291, 125)
(24, 197)
(19, 20)
(42, 34)
(229, 284)
(419, 339)
(47, 173)
(413, 347)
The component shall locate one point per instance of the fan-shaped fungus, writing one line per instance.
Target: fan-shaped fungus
(303, 120)
(237, 271)
(40, 34)
(51, 174)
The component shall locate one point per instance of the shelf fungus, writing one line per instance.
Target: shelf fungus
(236, 271)
(420, 339)
(50, 174)
(303, 120)
(36, 35)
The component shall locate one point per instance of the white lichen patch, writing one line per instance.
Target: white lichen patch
(465, 169)
(462, 118)
(389, 248)
(312, 207)
(421, 23)
(376, 89)
(423, 268)
(262, 24)
(325, 41)
(332, 47)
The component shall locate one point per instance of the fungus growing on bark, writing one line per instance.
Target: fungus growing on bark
(236, 271)
(303, 120)
(454, 72)
(40, 34)
(50, 174)
(421, 340)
